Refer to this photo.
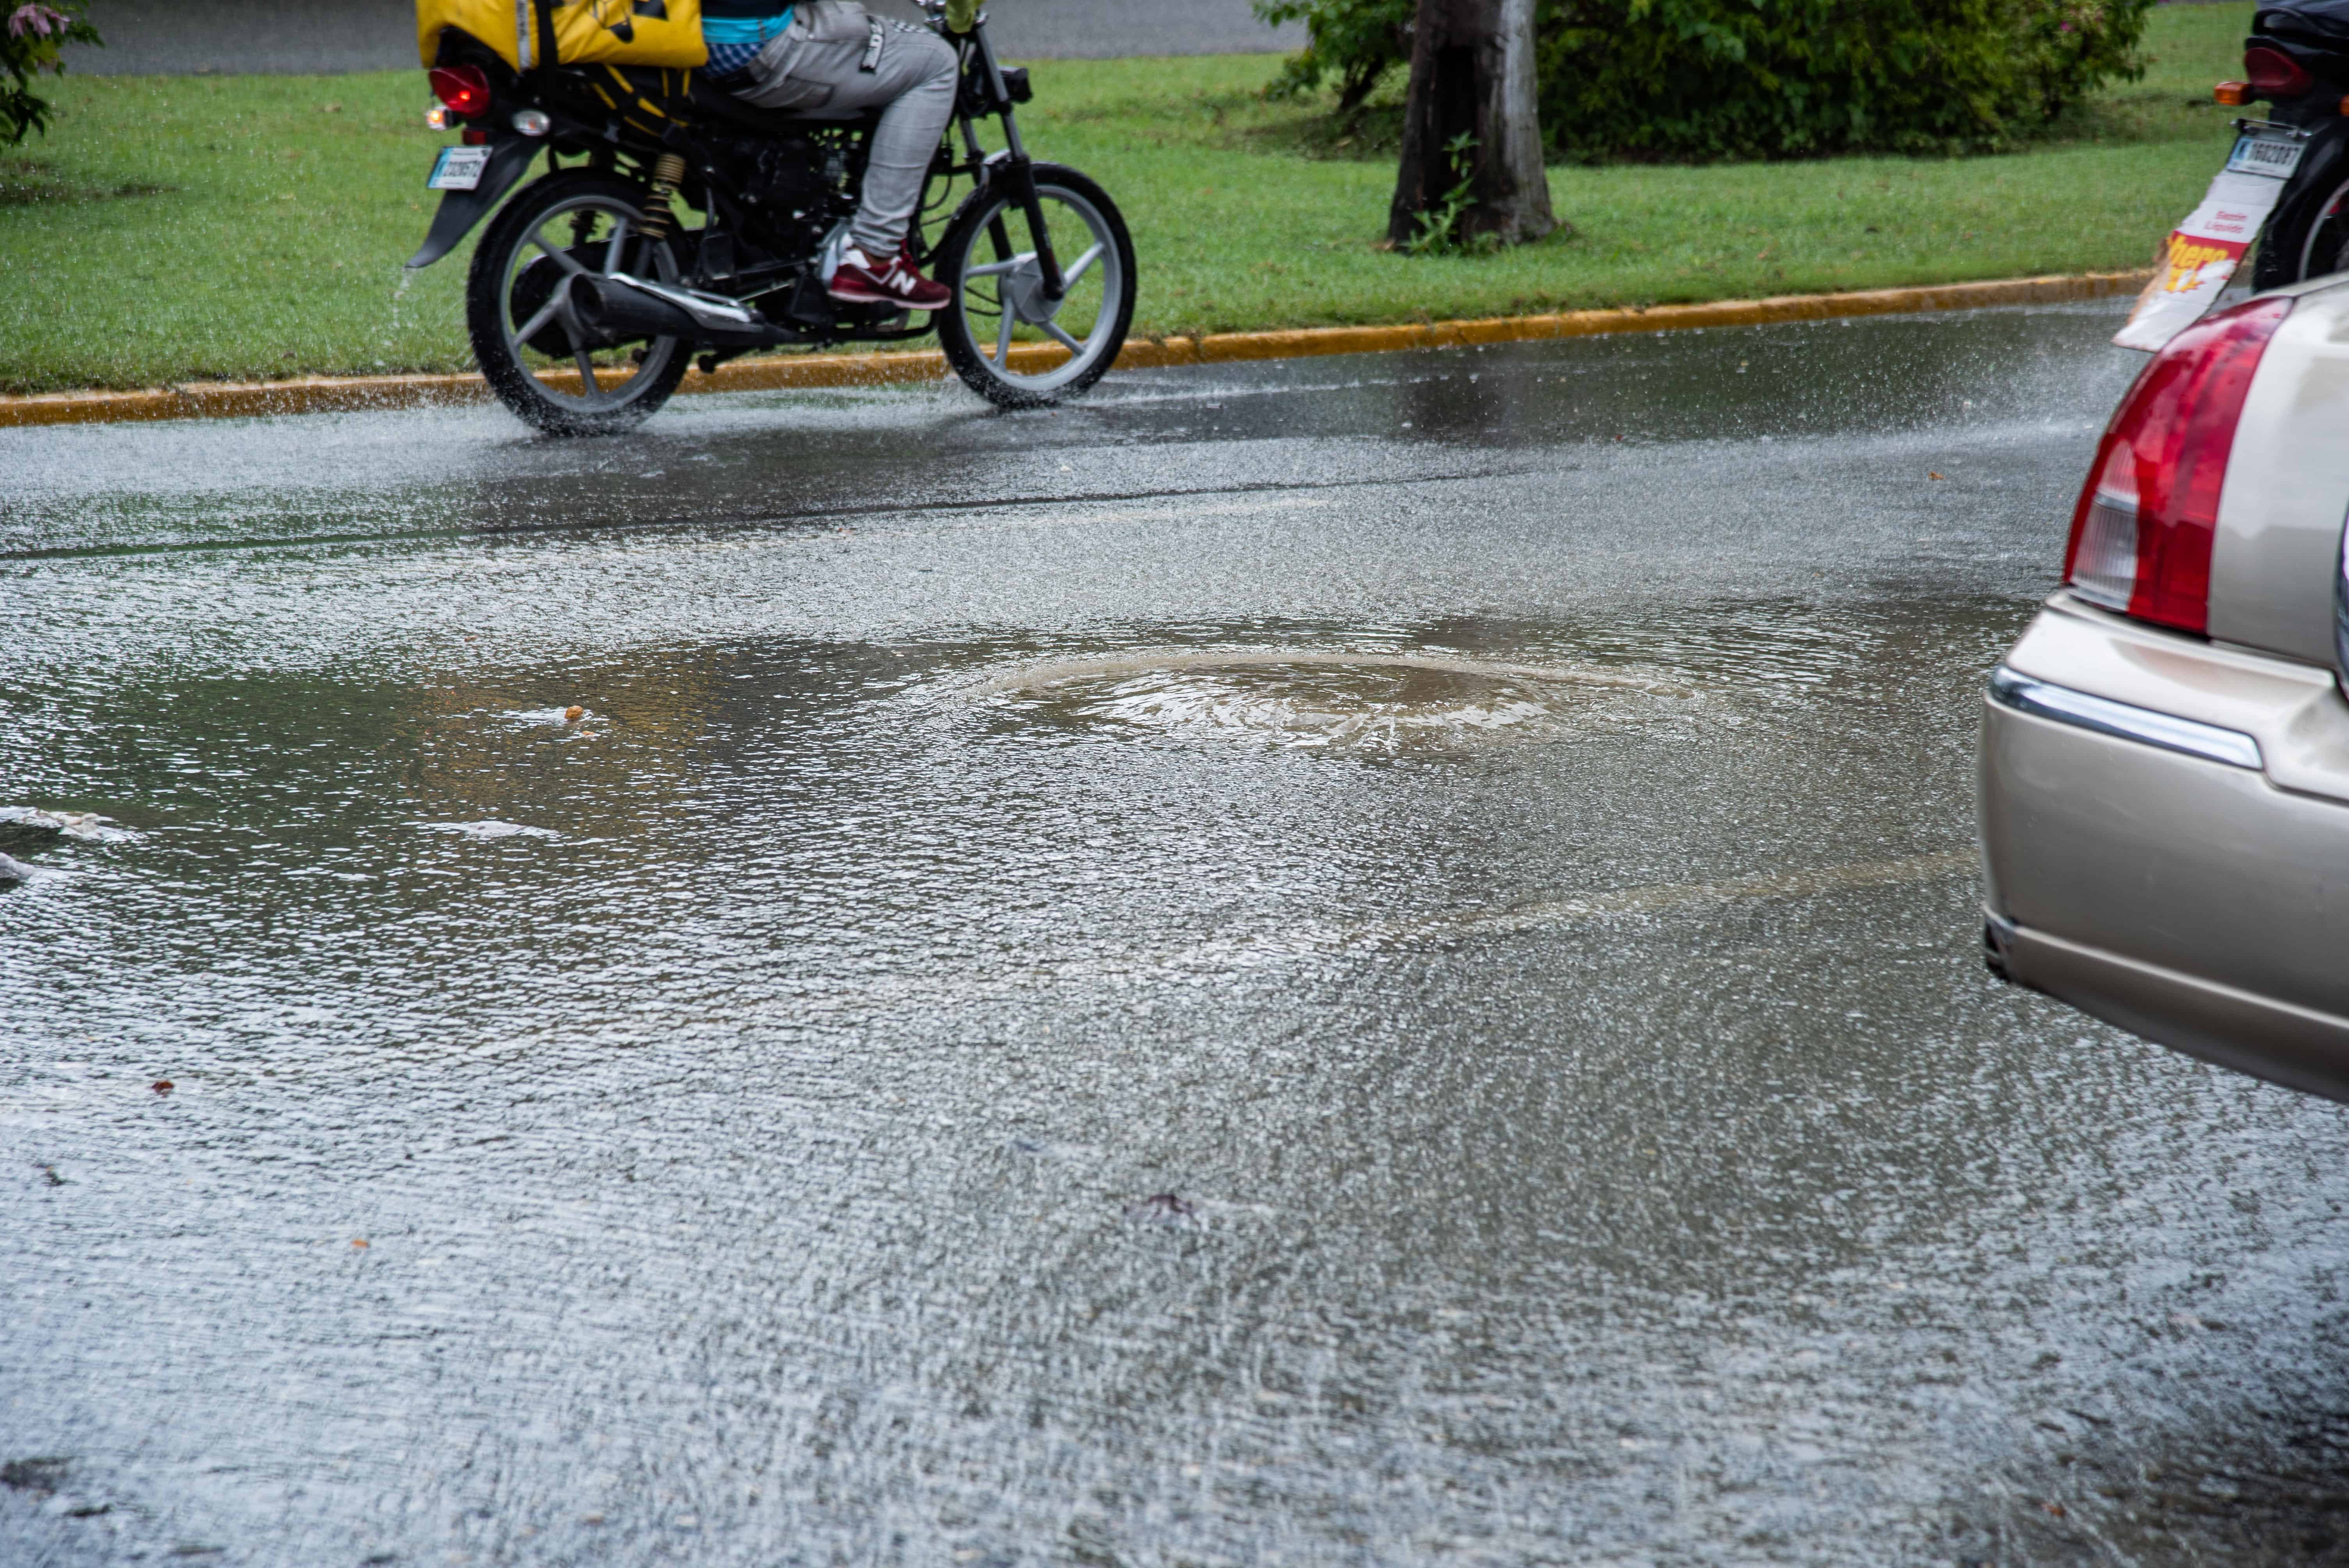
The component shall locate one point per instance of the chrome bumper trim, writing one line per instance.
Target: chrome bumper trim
(2024, 694)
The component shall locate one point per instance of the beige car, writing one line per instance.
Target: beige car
(2165, 754)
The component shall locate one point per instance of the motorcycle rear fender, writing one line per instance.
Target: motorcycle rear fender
(460, 210)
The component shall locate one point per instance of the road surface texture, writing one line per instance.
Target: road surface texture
(1358, 961)
(179, 37)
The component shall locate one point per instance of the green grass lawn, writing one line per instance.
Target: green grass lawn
(172, 229)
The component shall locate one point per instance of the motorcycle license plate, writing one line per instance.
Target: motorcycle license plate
(458, 168)
(2266, 152)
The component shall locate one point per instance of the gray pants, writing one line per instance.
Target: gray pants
(814, 68)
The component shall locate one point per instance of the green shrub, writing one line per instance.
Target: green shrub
(1353, 40)
(1711, 78)
(30, 38)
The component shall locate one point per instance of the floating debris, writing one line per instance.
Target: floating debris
(1163, 1209)
(30, 825)
(44, 1474)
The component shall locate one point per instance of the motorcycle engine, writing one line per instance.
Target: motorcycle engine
(784, 181)
(783, 176)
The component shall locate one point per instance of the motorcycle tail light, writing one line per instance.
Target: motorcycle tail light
(2233, 95)
(2142, 532)
(464, 88)
(2274, 74)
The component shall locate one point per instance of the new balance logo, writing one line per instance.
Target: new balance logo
(894, 283)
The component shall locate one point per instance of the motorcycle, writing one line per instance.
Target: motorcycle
(2285, 184)
(588, 297)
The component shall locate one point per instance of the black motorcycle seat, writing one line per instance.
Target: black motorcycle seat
(712, 102)
(2325, 20)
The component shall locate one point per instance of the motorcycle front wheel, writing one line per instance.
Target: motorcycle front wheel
(532, 351)
(1013, 343)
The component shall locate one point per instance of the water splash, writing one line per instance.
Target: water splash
(395, 315)
(1327, 699)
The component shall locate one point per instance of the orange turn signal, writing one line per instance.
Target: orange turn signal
(2234, 95)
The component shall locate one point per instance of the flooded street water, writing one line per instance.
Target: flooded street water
(1364, 960)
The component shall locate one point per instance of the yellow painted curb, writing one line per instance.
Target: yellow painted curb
(233, 399)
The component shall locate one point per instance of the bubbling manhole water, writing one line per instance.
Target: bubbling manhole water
(1350, 700)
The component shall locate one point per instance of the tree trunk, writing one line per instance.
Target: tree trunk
(1472, 71)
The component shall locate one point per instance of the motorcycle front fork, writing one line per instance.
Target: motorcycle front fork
(1014, 172)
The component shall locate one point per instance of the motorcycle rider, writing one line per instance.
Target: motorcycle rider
(831, 60)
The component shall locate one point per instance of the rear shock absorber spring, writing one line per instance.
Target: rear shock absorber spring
(668, 171)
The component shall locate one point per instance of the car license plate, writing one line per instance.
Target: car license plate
(2266, 152)
(458, 168)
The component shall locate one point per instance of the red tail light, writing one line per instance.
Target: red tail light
(2141, 534)
(464, 88)
(2274, 74)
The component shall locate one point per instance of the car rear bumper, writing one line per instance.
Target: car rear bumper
(2165, 828)
(2296, 1047)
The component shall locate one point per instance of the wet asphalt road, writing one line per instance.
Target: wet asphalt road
(1358, 961)
(179, 37)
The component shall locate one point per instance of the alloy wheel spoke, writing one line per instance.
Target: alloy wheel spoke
(997, 269)
(1061, 336)
(1071, 274)
(560, 258)
(1003, 340)
(546, 313)
(612, 253)
(589, 387)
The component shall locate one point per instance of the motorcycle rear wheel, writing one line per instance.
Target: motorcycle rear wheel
(2325, 246)
(517, 310)
(998, 333)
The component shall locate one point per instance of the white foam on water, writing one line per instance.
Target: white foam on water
(548, 717)
(489, 830)
(1365, 700)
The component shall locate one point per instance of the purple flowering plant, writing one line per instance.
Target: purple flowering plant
(32, 43)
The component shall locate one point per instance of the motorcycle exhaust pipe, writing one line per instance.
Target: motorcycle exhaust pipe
(611, 311)
(615, 306)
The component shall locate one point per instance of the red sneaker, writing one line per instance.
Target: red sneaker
(893, 282)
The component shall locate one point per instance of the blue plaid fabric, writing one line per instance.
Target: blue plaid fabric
(735, 41)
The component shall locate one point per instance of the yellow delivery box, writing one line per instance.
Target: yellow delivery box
(528, 33)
